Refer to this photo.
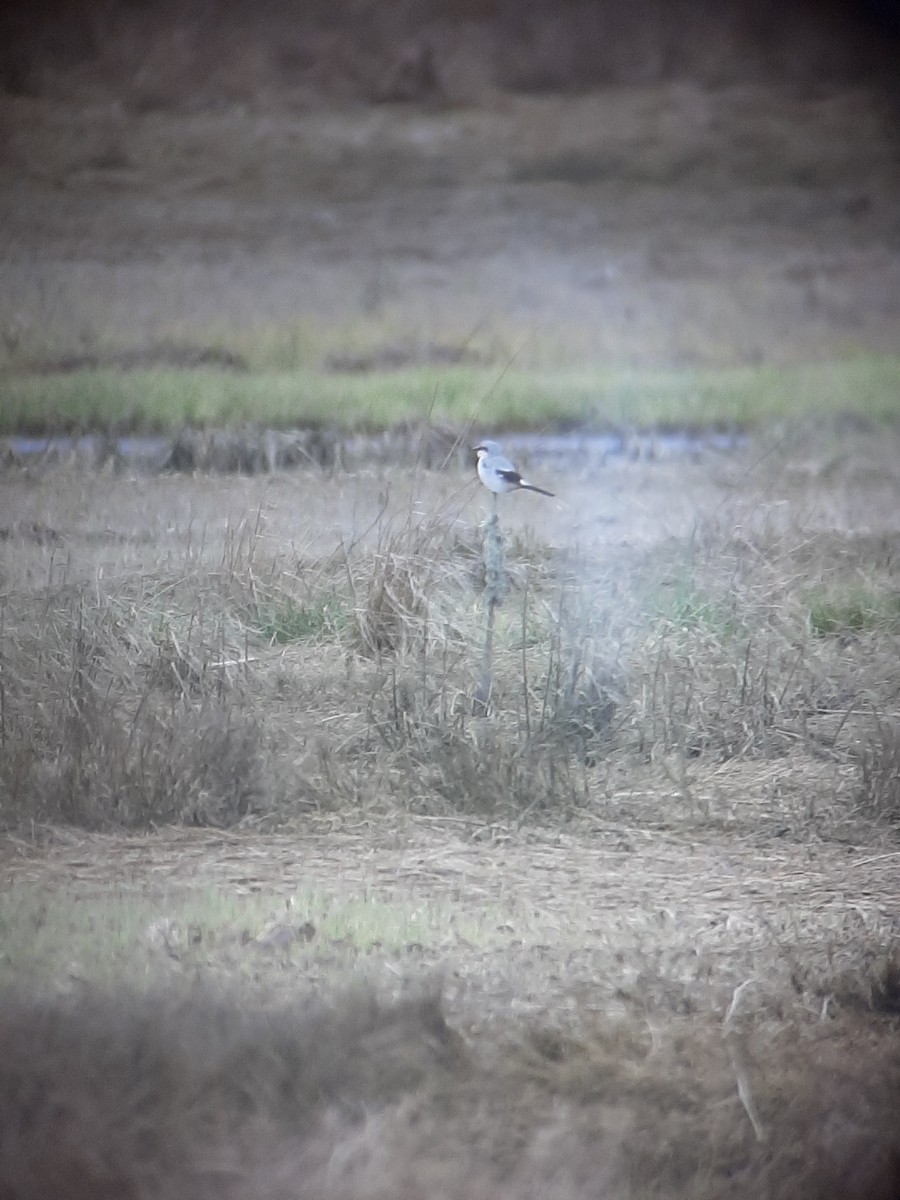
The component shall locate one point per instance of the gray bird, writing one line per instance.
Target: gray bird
(498, 474)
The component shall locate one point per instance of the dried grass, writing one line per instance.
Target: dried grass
(111, 1094)
(879, 788)
(177, 1094)
(111, 716)
(250, 679)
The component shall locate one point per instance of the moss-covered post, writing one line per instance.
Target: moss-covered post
(495, 588)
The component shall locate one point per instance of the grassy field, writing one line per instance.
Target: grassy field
(285, 910)
(166, 400)
(598, 934)
(630, 256)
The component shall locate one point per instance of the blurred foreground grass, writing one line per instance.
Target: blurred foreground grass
(161, 399)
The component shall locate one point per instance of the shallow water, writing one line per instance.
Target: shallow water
(262, 451)
(668, 444)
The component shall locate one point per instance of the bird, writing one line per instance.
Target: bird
(499, 475)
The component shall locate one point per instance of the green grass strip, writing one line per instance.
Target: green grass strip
(167, 399)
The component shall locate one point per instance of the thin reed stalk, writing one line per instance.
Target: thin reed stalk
(495, 589)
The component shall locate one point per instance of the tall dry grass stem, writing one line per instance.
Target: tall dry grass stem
(496, 586)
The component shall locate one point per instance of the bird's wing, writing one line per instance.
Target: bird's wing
(510, 474)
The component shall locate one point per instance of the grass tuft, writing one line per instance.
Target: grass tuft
(281, 622)
(857, 610)
(111, 721)
(879, 788)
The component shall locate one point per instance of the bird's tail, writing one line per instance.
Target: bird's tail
(532, 487)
